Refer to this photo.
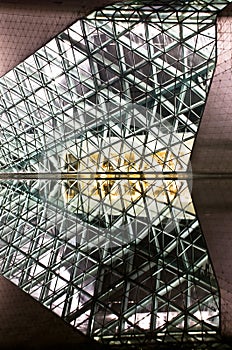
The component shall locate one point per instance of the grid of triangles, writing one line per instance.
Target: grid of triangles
(113, 100)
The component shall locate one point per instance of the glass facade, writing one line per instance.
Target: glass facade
(96, 216)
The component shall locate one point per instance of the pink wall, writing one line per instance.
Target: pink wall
(213, 154)
(26, 25)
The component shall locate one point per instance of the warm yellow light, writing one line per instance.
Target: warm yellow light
(113, 175)
(107, 184)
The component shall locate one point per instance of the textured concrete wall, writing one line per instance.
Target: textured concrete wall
(26, 324)
(212, 154)
(213, 147)
(26, 25)
(213, 203)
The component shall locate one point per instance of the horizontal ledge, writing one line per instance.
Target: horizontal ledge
(111, 175)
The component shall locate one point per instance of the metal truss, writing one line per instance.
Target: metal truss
(97, 129)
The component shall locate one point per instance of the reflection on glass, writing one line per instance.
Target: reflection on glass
(147, 272)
